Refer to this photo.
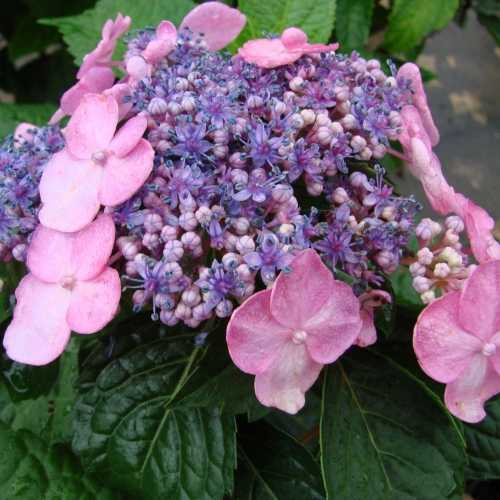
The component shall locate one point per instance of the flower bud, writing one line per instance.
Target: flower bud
(153, 223)
(425, 256)
(224, 308)
(245, 245)
(190, 240)
(421, 284)
(188, 221)
(441, 270)
(169, 233)
(173, 251)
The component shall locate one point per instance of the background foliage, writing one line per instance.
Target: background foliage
(141, 412)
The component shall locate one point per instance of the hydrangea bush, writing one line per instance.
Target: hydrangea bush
(225, 225)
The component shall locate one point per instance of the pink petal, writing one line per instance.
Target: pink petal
(166, 39)
(49, 254)
(94, 81)
(300, 295)
(254, 338)
(120, 91)
(38, 332)
(219, 23)
(293, 38)
(127, 137)
(479, 226)
(465, 397)
(443, 348)
(92, 247)
(92, 125)
(479, 311)
(334, 328)
(411, 72)
(94, 303)
(267, 53)
(368, 334)
(166, 30)
(69, 192)
(412, 127)
(124, 176)
(285, 382)
(138, 68)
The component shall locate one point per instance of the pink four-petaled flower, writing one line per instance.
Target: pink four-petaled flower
(457, 342)
(285, 335)
(97, 167)
(69, 287)
(275, 52)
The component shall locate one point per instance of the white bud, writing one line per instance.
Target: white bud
(296, 84)
(421, 284)
(309, 116)
(241, 225)
(441, 270)
(428, 297)
(324, 135)
(203, 215)
(340, 195)
(231, 260)
(455, 223)
(190, 240)
(153, 223)
(286, 230)
(173, 270)
(224, 308)
(245, 245)
(188, 103)
(169, 233)
(173, 251)
(417, 269)
(244, 272)
(425, 256)
(188, 221)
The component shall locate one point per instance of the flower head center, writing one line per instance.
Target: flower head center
(99, 157)
(68, 282)
(299, 337)
(489, 349)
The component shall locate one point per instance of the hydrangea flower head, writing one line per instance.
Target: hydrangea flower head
(457, 342)
(97, 167)
(69, 287)
(284, 335)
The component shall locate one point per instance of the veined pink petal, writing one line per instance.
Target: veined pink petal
(69, 192)
(444, 350)
(92, 247)
(300, 296)
(124, 176)
(368, 334)
(94, 303)
(49, 254)
(92, 125)
(334, 328)
(465, 396)
(479, 311)
(254, 337)
(38, 332)
(285, 382)
(411, 72)
(479, 226)
(267, 53)
(127, 137)
(219, 23)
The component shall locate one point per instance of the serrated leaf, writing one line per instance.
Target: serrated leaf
(411, 21)
(352, 26)
(273, 16)
(385, 435)
(483, 444)
(82, 33)
(29, 470)
(129, 428)
(12, 114)
(275, 467)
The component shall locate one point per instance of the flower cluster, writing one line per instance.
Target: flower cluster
(23, 158)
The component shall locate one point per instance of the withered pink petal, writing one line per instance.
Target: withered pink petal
(219, 23)
(49, 254)
(94, 303)
(284, 383)
(92, 247)
(127, 137)
(479, 226)
(267, 53)
(92, 125)
(411, 71)
(69, 192)
(300, 296)
(38, 332)
(479, 311)
(124, 176)
(254, 338)
(465, 396)
(443, 348)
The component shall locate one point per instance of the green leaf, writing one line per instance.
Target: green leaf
(29, 470)
(405, 294)
(273, 16)
(130, 429)
(492, 24)
(385, 436)
(82, 33)
(275, 467)
(352, 27)
(412, 20)
(483, 444)
(12, 114)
